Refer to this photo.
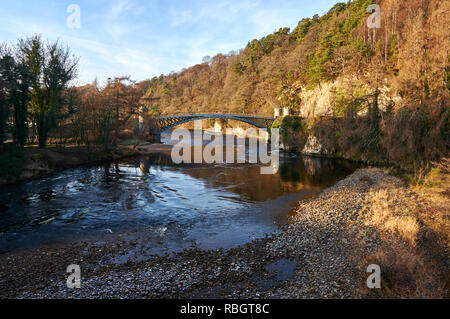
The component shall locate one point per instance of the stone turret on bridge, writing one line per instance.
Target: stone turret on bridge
(282, 112)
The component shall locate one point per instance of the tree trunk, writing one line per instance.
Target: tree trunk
(2, 127)
(21, 128)
(42, 141)
(42, 134)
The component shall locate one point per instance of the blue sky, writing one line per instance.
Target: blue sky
(146, 38)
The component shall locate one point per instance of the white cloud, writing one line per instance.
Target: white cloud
(225, 11)
(183, 17)
(117, 23)
(119, 7)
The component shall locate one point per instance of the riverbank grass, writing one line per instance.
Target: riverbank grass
(414, 223)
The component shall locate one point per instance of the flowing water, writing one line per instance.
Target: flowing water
(172, 206)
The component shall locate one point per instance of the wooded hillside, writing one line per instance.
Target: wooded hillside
(407, 58)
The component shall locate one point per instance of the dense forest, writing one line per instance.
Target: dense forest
(367, 94)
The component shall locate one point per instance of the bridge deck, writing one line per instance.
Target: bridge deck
(214, 115)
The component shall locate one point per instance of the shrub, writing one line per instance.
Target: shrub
(293, 132)
(11, 162)
(277, 123)
(413, 137)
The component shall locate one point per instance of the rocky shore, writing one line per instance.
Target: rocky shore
(320, 253)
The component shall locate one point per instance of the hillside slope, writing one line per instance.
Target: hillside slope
(320, 63)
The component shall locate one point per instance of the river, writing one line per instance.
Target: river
(171, 206)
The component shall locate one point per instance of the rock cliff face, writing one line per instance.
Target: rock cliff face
(317, 102)
(321, 100)
(313, 147)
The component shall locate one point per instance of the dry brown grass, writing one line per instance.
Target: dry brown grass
(414, 225)
(388, 213)
(434, 192)
(406, 274)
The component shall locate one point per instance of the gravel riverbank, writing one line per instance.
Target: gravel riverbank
(319, 254)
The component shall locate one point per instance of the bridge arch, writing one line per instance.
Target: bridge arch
(168, 122)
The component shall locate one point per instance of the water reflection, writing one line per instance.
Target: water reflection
(295, 175)
(215, 205)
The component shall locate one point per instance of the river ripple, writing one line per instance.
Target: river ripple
(174, 206)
